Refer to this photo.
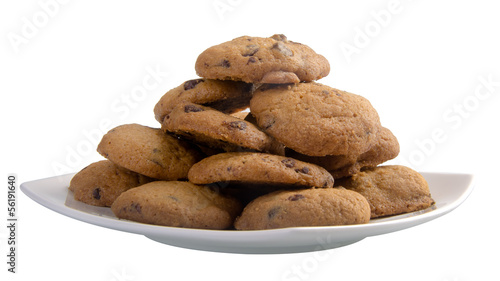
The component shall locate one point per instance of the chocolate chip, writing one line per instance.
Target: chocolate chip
(251, 60)
(96, 193)
(225, 63)
(240, 125)
(266, 160)
(325, 92)
(304, 170)
(192, 108)
(273, 212)
(251, 50)
(268, 124)
(136, 206)
(289, 163)
(174, 198)
(158, 163)
(191, 84)
(280, 47)
(279, 37)
(296, 197)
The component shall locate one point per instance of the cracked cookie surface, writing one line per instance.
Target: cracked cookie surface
(100, 183)
(177, 204)
(273, 60)
(258, 168)
(217, 130)
(316, 120)
(310, 207)
(391, 189)
(148, 151)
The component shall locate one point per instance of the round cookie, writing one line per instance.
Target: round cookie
(212, 128)
(386, 148)
(310, 207)
(226, 96)
(148, 151)
(178, 204)
(258, 168)
(391, 189)
(100, 183)
(274, 60)
(315, 119)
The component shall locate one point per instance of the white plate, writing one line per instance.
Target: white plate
(448, 190)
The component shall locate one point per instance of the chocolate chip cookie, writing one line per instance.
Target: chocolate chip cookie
(273, 60)
(258, 168)
(316, 120)
(212, 128)
(178, 204)
(226, 96)
(148, 151)
(386, 148)
(310, 207)
(100, 183)
(391, 189)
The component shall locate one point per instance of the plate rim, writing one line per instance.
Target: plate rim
(370, 229)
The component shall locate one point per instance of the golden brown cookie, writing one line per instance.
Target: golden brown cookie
(316, 120)
(386, 148)
(273, 60)
(148, 151)
(258, 168)
(176, 203)
(226, 96)
(309, 207)
(100, 183)
(212, 128)
(391, 189)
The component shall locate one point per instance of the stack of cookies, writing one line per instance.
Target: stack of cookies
(254, 144)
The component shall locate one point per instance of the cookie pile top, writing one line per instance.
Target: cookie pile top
(273, 60)
(255, 143)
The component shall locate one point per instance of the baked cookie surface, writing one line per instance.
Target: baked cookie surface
(273, 60)
(205, 125)
(258, 168)
(385, 148)
(310, 207)
(178, 204)
(391, 189)
(225, 96)
(100, 183)
(316, 120)
(148, 151)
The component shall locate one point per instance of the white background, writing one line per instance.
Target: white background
(70, 70)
